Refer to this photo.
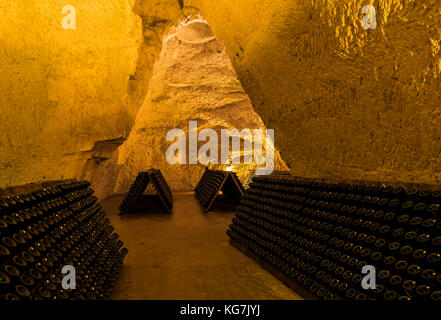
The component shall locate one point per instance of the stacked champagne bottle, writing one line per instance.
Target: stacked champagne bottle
(45, 230)
(141, 182)
(162, 188)
(209, 186)
(321, 235)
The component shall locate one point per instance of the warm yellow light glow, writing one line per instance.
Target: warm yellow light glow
(230, 168)
(184, 23)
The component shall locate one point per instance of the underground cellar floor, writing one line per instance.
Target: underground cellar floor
(186, 255)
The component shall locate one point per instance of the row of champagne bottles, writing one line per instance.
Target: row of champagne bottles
(42, 198)
(62, 226)
(405, 251)
(379, 194)
(423, 227)
(162, 188)
(359, 243)
(420, 233)
(427, 209)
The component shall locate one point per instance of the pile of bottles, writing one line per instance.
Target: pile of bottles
(45, 230)
(321, 235)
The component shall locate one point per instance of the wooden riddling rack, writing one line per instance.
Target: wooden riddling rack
(317, 235)
(138, 187)
(214, 183)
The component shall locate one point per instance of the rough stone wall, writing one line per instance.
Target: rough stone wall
(63, 92)
(345, 102)
(157, 17)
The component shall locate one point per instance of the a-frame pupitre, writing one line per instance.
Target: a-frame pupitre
(214, 183)
(138, 187)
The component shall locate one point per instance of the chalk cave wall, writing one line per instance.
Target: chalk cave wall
(345, 102)
(64, 93)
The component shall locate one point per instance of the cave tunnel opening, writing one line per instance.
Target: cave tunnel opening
(193, 81)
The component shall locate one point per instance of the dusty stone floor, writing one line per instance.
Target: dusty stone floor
(186, 255)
